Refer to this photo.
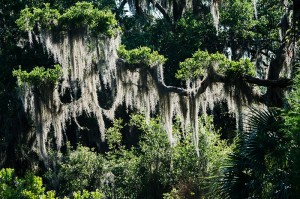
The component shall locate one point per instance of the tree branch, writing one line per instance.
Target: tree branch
(121, 7)
(212, 77)
(281, 83)
(162, 11)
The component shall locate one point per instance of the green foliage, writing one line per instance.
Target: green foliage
(193, 175)
(124, 165)
(142, 171)
(194, 67)
(198, 65)
(82, 14)
(87, 195)
(237, 16)
(141, 55)
(39, 76)
(195, 32)
(269, 14)
(154, 164)
(237, 25)
(212, 148)
(156, 156)
(201, 61)
(245, 28)
(81, 169)
(292, 119)
(82, 173)
(235, 68)
(114, 136)
(151, 169)
(100, 4)
(44, 18)
(292, 132)
(29, 187)
(155, 168)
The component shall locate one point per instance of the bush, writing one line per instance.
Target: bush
(29, 187)
(79, 170)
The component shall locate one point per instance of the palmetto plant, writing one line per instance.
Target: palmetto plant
(258, 168)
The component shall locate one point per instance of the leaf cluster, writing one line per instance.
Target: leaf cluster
(237, 68)
(113, 135)
(84, 14)
(87, 195)
(39, 76)
(81, 15)
(141, 55)
(201, 61)
(44, 18)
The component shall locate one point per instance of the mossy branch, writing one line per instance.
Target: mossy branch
(210, 68)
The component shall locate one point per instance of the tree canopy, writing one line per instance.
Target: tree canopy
(213, 85)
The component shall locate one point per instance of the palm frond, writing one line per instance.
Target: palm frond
(255, 170)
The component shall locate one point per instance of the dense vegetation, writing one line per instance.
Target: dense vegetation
(251, 46)
(152, 169)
